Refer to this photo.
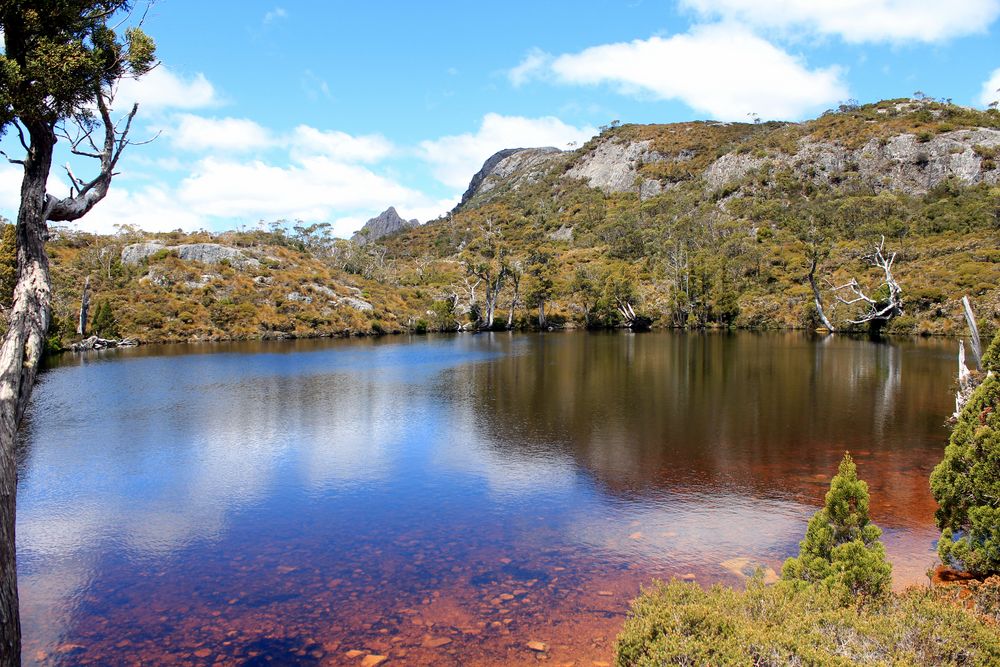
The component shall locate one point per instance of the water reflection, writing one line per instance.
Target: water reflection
(303, 490)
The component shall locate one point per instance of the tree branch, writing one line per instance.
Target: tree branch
(88, 193)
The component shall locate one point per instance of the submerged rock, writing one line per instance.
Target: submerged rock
(746, 568)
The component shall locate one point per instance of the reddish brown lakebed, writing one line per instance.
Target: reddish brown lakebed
(466, 500)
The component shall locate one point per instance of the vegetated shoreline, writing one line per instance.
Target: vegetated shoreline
(571, 328)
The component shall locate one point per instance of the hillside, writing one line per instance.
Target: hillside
(695, 224)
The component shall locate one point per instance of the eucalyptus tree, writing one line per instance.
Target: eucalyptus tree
(60, 66)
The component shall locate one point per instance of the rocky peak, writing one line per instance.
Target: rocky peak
(509, 166)
(385, 223)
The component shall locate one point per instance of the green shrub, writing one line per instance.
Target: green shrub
(991, 357)
(841, 550)
(103, 323)
(682, 624)
(966, 484)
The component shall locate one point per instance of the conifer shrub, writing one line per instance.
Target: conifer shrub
(966, 484)
(103, 323)
(841, 550)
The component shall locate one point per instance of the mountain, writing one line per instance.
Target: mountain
(695, 225)
(907, 146)
(385, 223)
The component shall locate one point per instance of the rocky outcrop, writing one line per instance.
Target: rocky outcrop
(97, 343)
(511, 168)
(613, 166)
(206, 253)
(904, 163)
(355, 303)
(385, 223)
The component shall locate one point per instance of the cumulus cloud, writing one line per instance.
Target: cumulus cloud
(723, 70)
(310, 189)
(340, 145)
(219, 134)
(991, 89)
(532, 66)
(859, 20)
(163, 89)
(454, 159)
(154, 208)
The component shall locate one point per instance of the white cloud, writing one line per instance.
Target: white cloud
(991, 89)
(162, 89)
(276, 13)
(223, 134)
(454, 159)
(860, 20)
(313, 188)
(153, 208)
(724, 70)
(340, 145)
(532, 66)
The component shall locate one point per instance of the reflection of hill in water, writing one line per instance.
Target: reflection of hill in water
(768, 414)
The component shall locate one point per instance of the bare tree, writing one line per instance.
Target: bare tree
(515, 271)
(888, 302)
(81, 324)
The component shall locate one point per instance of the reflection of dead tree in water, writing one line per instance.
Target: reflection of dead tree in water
(888, 300)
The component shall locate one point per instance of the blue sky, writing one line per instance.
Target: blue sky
(333, 111)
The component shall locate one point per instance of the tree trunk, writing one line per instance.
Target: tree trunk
(970, 317)
(541, 315)
(20, 353)
(817, 299)
(81, 325)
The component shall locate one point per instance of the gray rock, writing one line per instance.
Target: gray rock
(206, 253)
(301, 298)
(385, 223)
(355, 303)
(322, 289)
(564, 233)
(901, 164)
(511, 167)
(136, 252)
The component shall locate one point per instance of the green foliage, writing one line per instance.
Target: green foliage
(991, 357)
(57, 55)
(8, 264)
(682, 624)
(444, 318)
(966, 484)
(102, 322)
(841, 550)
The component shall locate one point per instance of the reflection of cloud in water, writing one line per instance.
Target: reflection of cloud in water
(695, 529)
(470, 447)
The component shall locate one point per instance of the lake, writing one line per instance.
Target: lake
(445, 499)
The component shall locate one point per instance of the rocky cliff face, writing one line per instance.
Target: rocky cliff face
(649, 160)
(509, 168)
(385, 223)
(903, 163)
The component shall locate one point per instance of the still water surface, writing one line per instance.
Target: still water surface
(444, 500)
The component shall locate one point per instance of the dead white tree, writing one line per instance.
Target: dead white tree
(81, 324)
(968, 381)
(888, 304)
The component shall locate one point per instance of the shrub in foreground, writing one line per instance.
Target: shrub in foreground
(966, 484)
(682, 624)
(841, 549)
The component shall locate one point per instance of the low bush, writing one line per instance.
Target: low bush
(680, 623)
